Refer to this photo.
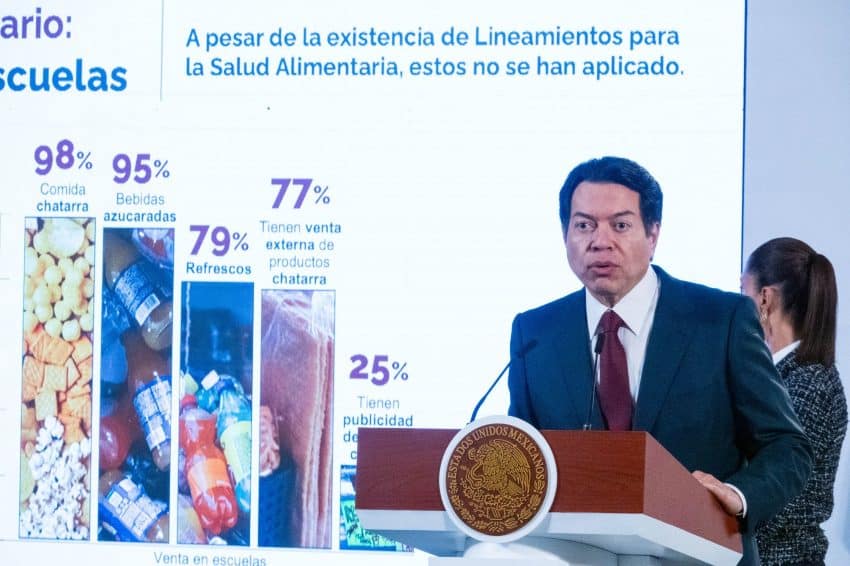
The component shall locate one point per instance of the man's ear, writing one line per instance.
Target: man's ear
(652, 235)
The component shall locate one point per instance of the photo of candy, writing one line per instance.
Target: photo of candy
(215, 413)
(135, 390)
(56, 397)
(296, 396)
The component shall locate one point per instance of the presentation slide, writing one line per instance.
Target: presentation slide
(235, 232)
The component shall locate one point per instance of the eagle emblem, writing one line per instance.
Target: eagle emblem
(499, 468)
(496, 478)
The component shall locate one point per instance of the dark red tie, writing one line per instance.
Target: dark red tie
(614, 393)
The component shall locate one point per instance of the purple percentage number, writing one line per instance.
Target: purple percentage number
(379, 373)
(283, 184)
(221, 239)
(323, 197)
(161, 168)
(139, 169)
(239, 242)
(84, 160)
(399, 371)
(63, 158)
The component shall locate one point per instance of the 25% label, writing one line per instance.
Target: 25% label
(380, 371)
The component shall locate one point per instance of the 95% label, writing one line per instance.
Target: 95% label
(140, 167)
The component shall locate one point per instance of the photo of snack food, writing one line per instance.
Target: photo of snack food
(135, 384)
(296, 396)
(215, 413)
(58, 297)
(352, 536)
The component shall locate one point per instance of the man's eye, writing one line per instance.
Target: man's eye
(582, 226)
(621, 226)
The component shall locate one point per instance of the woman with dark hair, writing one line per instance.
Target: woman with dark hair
(796, 296)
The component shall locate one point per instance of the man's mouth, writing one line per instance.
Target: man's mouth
(602, 267)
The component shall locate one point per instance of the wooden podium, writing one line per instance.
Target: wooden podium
(617, 491)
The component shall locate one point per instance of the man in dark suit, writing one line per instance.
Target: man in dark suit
(684, 362)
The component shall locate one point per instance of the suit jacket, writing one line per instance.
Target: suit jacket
(794, 535)
(709, 392)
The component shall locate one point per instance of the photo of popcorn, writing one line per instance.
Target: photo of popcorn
(135, 384)
(55, 484)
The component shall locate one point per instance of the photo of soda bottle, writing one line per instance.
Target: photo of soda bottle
(212, 493)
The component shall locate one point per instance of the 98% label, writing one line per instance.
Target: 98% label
(64, 157)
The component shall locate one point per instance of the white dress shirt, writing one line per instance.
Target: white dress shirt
(779, 355)
(637, 309)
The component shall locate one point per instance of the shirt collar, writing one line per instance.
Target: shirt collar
(632, 308)
(779, 355)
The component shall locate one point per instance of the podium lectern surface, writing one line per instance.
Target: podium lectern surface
(619, 491)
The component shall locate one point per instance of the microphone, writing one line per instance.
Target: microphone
(518, 356)
(597, 349)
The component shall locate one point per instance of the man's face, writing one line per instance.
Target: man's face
(607, 246)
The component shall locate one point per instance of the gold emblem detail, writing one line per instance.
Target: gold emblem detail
(496, 479)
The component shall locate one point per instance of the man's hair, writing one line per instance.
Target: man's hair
(615, 170)
(808, 291)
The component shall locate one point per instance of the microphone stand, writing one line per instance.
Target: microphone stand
(597, 349)
(519, 355)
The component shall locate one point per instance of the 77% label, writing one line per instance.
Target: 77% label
(302, 187)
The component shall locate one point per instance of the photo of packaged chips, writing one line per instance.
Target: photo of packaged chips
(215, 419)
(296, 394)
(352, 535)
(135, 385)
(58, 300)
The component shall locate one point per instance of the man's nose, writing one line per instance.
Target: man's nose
(603, 237)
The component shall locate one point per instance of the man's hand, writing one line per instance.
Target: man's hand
(728, 498)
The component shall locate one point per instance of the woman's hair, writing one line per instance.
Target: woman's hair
(807, 288)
